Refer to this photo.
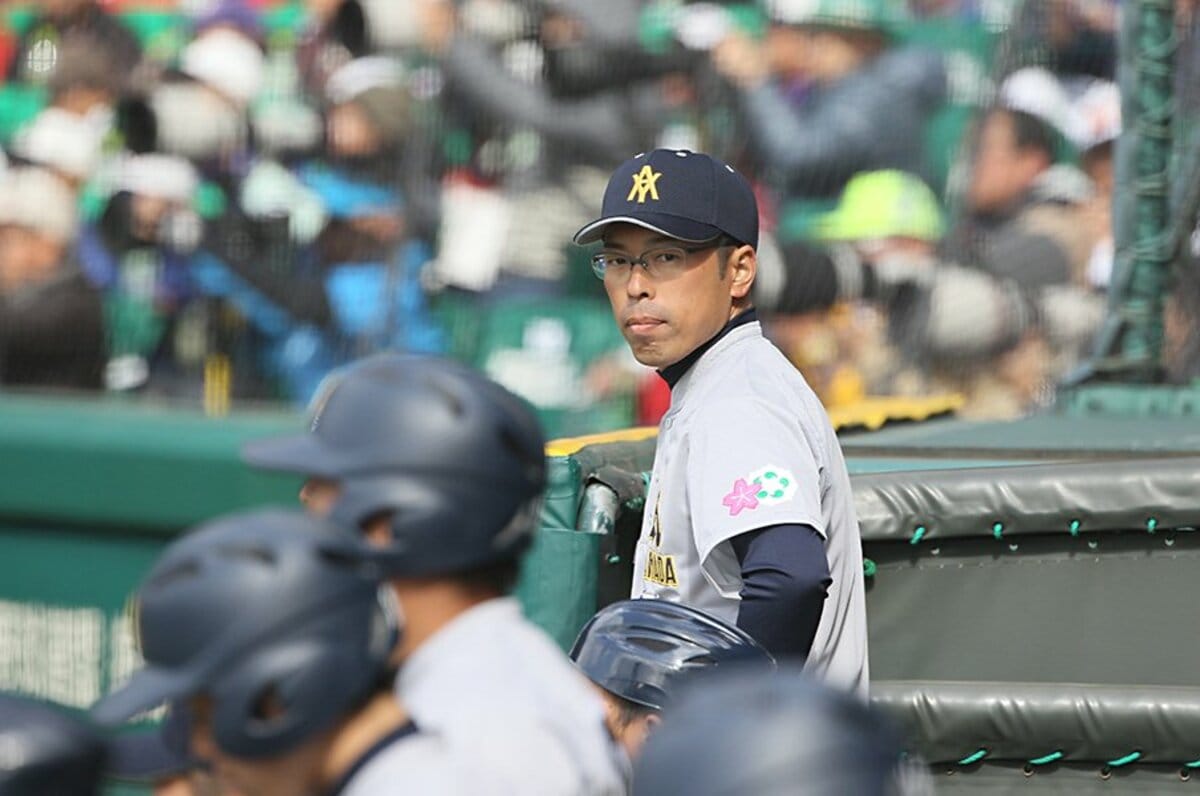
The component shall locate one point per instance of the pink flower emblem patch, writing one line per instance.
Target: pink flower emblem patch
(743, 496)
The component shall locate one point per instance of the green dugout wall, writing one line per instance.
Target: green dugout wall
(1030, 585)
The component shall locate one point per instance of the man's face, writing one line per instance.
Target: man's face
(665, 319)
(297, 772)
(26, 257)
(1002, 171)
(193, 783)
(631, 734)
(318, 496)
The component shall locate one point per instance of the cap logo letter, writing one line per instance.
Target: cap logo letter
(644, 183)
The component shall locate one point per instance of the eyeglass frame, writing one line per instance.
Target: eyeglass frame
(719, 242)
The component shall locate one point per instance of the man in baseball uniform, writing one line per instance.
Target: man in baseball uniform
(442, 470)
(278, 642)
(749, 514)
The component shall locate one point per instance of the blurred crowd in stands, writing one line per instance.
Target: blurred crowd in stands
(223, 199)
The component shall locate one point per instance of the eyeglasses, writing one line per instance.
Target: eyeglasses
(661, 262)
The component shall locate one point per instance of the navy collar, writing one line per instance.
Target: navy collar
(403, 731)
(673, 373)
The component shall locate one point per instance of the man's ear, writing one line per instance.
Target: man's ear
(743, 267)
(652, 722)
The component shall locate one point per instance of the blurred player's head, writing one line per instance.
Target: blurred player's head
(678, 232)
(770, 734)
(273, 639)
(159, 759)
(43, 750)
(638, 653)
(439, 468)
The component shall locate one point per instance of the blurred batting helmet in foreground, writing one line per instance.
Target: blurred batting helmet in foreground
(775, 734)
(455, 459)
(252, 607)
(46, 752)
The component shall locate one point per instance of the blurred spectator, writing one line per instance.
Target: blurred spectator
(139, 252)
(289, 190)
(51, 320)
(968, 10)
(948, 328)
(1097, 123)
(1022, 216)
(368, 117)
(1077, 37)
(336, 34)
(203, 117)
(537, 156)
(878, 311)
(87, 80)
(39, 53)
(827, 96)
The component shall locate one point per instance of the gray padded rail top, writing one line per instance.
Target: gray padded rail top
(1038, 498)
(1046, 436)
(952, 721)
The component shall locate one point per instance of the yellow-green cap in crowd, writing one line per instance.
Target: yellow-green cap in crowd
(883, 204)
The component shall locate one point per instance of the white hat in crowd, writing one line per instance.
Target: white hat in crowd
(60, 140)
(36, 199)
(160, 176)
(226, 60)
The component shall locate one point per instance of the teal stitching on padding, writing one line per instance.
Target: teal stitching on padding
(974, 757)
(998, 530)
(1074, 527)
(1151, 524)
(1050, 758)
(1193, 764)
(869, 568)
(918, 534)
(1124, 761)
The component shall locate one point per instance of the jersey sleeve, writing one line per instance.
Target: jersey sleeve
(749, 466)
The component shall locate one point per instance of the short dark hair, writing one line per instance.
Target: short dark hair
(725, 245)
(494, 579)
(629, 712)
(1031, 132)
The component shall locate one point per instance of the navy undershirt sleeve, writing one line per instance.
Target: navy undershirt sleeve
(785, 578)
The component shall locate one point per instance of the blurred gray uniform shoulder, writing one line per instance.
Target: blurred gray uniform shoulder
(510, 706)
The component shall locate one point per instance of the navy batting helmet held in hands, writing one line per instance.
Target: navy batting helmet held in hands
(455, 459)
(640, 650)
(770, 734)
(46, 752)
(253, 607)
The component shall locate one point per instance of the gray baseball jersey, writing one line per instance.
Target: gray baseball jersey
(510, 707)
(746, 444)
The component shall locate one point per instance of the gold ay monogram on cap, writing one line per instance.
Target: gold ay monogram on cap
(645, 183)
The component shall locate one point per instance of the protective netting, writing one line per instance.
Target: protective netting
(217, 202)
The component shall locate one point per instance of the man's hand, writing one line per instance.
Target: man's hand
(741, 60)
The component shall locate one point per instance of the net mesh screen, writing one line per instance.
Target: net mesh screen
(217, 202)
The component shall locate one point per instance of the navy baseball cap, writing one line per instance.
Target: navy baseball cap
(685, 195)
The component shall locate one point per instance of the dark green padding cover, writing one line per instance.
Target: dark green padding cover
(1047, 498)
(1083, 722)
